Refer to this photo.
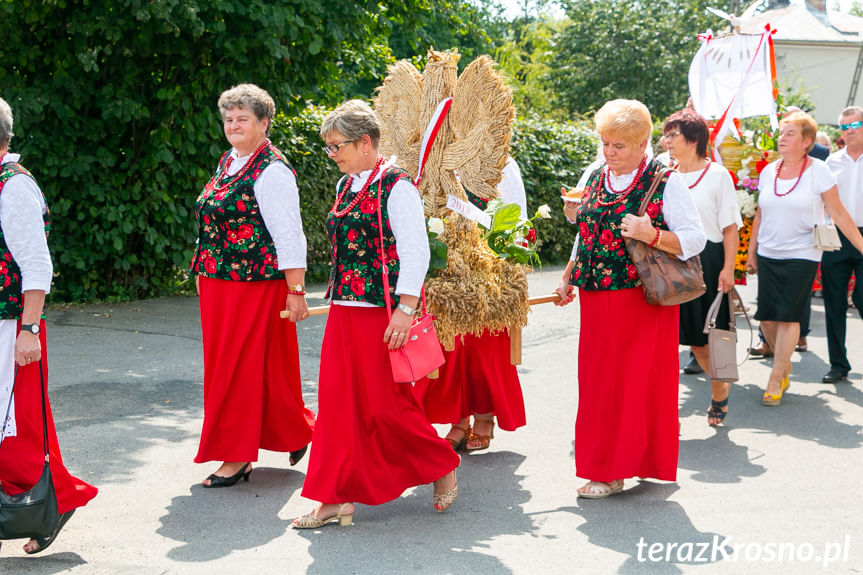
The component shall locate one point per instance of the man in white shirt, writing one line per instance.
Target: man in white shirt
(837, 266)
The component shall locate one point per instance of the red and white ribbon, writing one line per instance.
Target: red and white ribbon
(431, 133)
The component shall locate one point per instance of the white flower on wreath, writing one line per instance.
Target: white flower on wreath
(746, 203)
(435, 226)
(544, 211)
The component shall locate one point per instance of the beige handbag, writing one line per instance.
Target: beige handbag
(825, 237)
(723, 342)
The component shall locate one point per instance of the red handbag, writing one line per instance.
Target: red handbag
(422, 353)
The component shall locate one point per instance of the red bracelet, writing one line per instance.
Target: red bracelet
(655, 239)
(296, 292)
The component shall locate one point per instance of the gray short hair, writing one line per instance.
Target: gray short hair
(5, 124)
(852, 110)
(252, 98)
(353, 119)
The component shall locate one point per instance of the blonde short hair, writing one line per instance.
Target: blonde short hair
(628, 120)
(806, 123)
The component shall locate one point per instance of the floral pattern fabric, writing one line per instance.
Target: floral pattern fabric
(602, 261)
(233, 241)
(11, 304)
(356, 273)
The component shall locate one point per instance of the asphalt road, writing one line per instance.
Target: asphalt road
(780, 484)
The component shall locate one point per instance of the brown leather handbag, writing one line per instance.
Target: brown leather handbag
(723, 342)
(666, 279)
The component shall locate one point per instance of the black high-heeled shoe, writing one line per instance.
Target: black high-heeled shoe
(219, 481)
(297, 456)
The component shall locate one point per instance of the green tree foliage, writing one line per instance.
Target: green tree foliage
(115, 107)
(628, 49)
(856, 8)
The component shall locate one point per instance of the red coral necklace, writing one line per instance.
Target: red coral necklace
(779, 170)
(701, 177)
(360, 195)
(222, 187)
(620, 196)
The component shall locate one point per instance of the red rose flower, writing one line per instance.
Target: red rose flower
(582, 229)
(234, 276)
(353, 235)
(246, 231)
(605, 282)
(652, 210)
(232, 236)
(346, 277)
(631, 272)
(210, 265)
(577, 273)
(531, 235)
(206, 220)
(368, 206)
(606, 237)
(358, 285)
(761, 164)
(392, 252)
(619, 208)
(341, 267)
(241, 206)
(621, 253)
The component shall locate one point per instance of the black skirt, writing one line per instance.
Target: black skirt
(783, 289)
(694, 313)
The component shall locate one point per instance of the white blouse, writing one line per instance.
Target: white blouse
(715, 199)
(849, 180)
(279, 200)
(678, 209)
(21, 209)
(407, 221)
(785, 231)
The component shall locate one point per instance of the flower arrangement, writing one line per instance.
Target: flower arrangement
(438, 250)
(510, 237)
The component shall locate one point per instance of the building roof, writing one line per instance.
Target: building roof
(799, 22)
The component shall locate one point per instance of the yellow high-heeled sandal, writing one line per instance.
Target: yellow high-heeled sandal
(774, 399)
(311, 522)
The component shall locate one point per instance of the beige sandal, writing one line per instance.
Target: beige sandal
(601, 489)
(444, 500)
(311, 522)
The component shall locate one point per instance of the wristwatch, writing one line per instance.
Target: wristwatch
(31, 327)
(296, 287)
(406, 309)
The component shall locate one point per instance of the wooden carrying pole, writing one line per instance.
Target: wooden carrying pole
(514, 331)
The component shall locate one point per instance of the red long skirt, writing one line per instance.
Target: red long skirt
(22, 456)
(476, 378)
(253, 397)
(372, 440)
(627, 387)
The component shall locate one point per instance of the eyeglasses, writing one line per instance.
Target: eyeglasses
(334, 148)
(670, 135)
(851, 126)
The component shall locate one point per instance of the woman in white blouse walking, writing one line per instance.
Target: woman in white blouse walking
(687, 137)
(372, 440)
(793, 194)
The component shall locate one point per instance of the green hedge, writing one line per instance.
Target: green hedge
(550, 154)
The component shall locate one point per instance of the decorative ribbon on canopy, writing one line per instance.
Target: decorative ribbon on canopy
(733, 77)
(430, 134)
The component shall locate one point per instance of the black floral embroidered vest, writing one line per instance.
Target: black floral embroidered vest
(11, 304)
(602, 261)
(356, 273)
(233, 242)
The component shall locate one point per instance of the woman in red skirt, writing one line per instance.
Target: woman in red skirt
(25, 278)
(627, 351)
(372, 440)
(250, 264)
(478, 378)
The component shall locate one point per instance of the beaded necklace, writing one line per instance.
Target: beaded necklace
(360, 195)
(701, 177)
(224, 173)
(620, 195)
(776, 179)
